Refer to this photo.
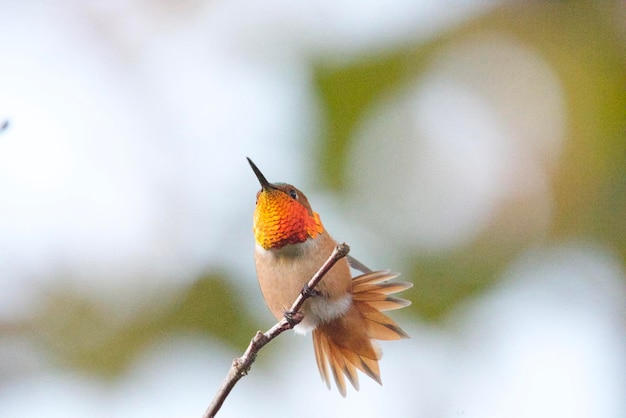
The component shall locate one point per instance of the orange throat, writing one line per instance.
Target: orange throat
(279, 220)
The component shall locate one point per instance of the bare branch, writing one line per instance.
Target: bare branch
(241, 366)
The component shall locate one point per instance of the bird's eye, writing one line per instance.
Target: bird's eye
(293, 193)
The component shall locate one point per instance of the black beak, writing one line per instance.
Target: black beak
(264, 183)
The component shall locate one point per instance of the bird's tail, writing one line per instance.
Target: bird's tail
(345, 344)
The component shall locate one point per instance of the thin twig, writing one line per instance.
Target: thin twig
(241, 366)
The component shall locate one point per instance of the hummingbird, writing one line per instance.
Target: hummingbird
(344, 314)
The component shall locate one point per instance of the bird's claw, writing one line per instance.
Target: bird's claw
(293, 318)
(307, 292)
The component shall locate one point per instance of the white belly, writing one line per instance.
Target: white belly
(322, 310)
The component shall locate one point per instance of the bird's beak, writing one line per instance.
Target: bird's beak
(264, 183)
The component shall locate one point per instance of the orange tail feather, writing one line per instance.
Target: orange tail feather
(345, 344)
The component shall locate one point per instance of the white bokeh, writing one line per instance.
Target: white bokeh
(461, 140)
(124, 166)
(548, 341)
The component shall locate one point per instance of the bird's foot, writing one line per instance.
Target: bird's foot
(293, 318)
(307, 292)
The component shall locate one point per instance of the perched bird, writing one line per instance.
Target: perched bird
(344, 313)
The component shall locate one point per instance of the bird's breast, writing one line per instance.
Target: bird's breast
(283, 272)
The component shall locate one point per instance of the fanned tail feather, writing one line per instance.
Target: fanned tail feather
(342, 362)
(343, 351)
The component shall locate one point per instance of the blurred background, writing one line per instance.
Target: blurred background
(478, 147)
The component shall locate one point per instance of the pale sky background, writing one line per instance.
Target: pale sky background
(124, 162)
